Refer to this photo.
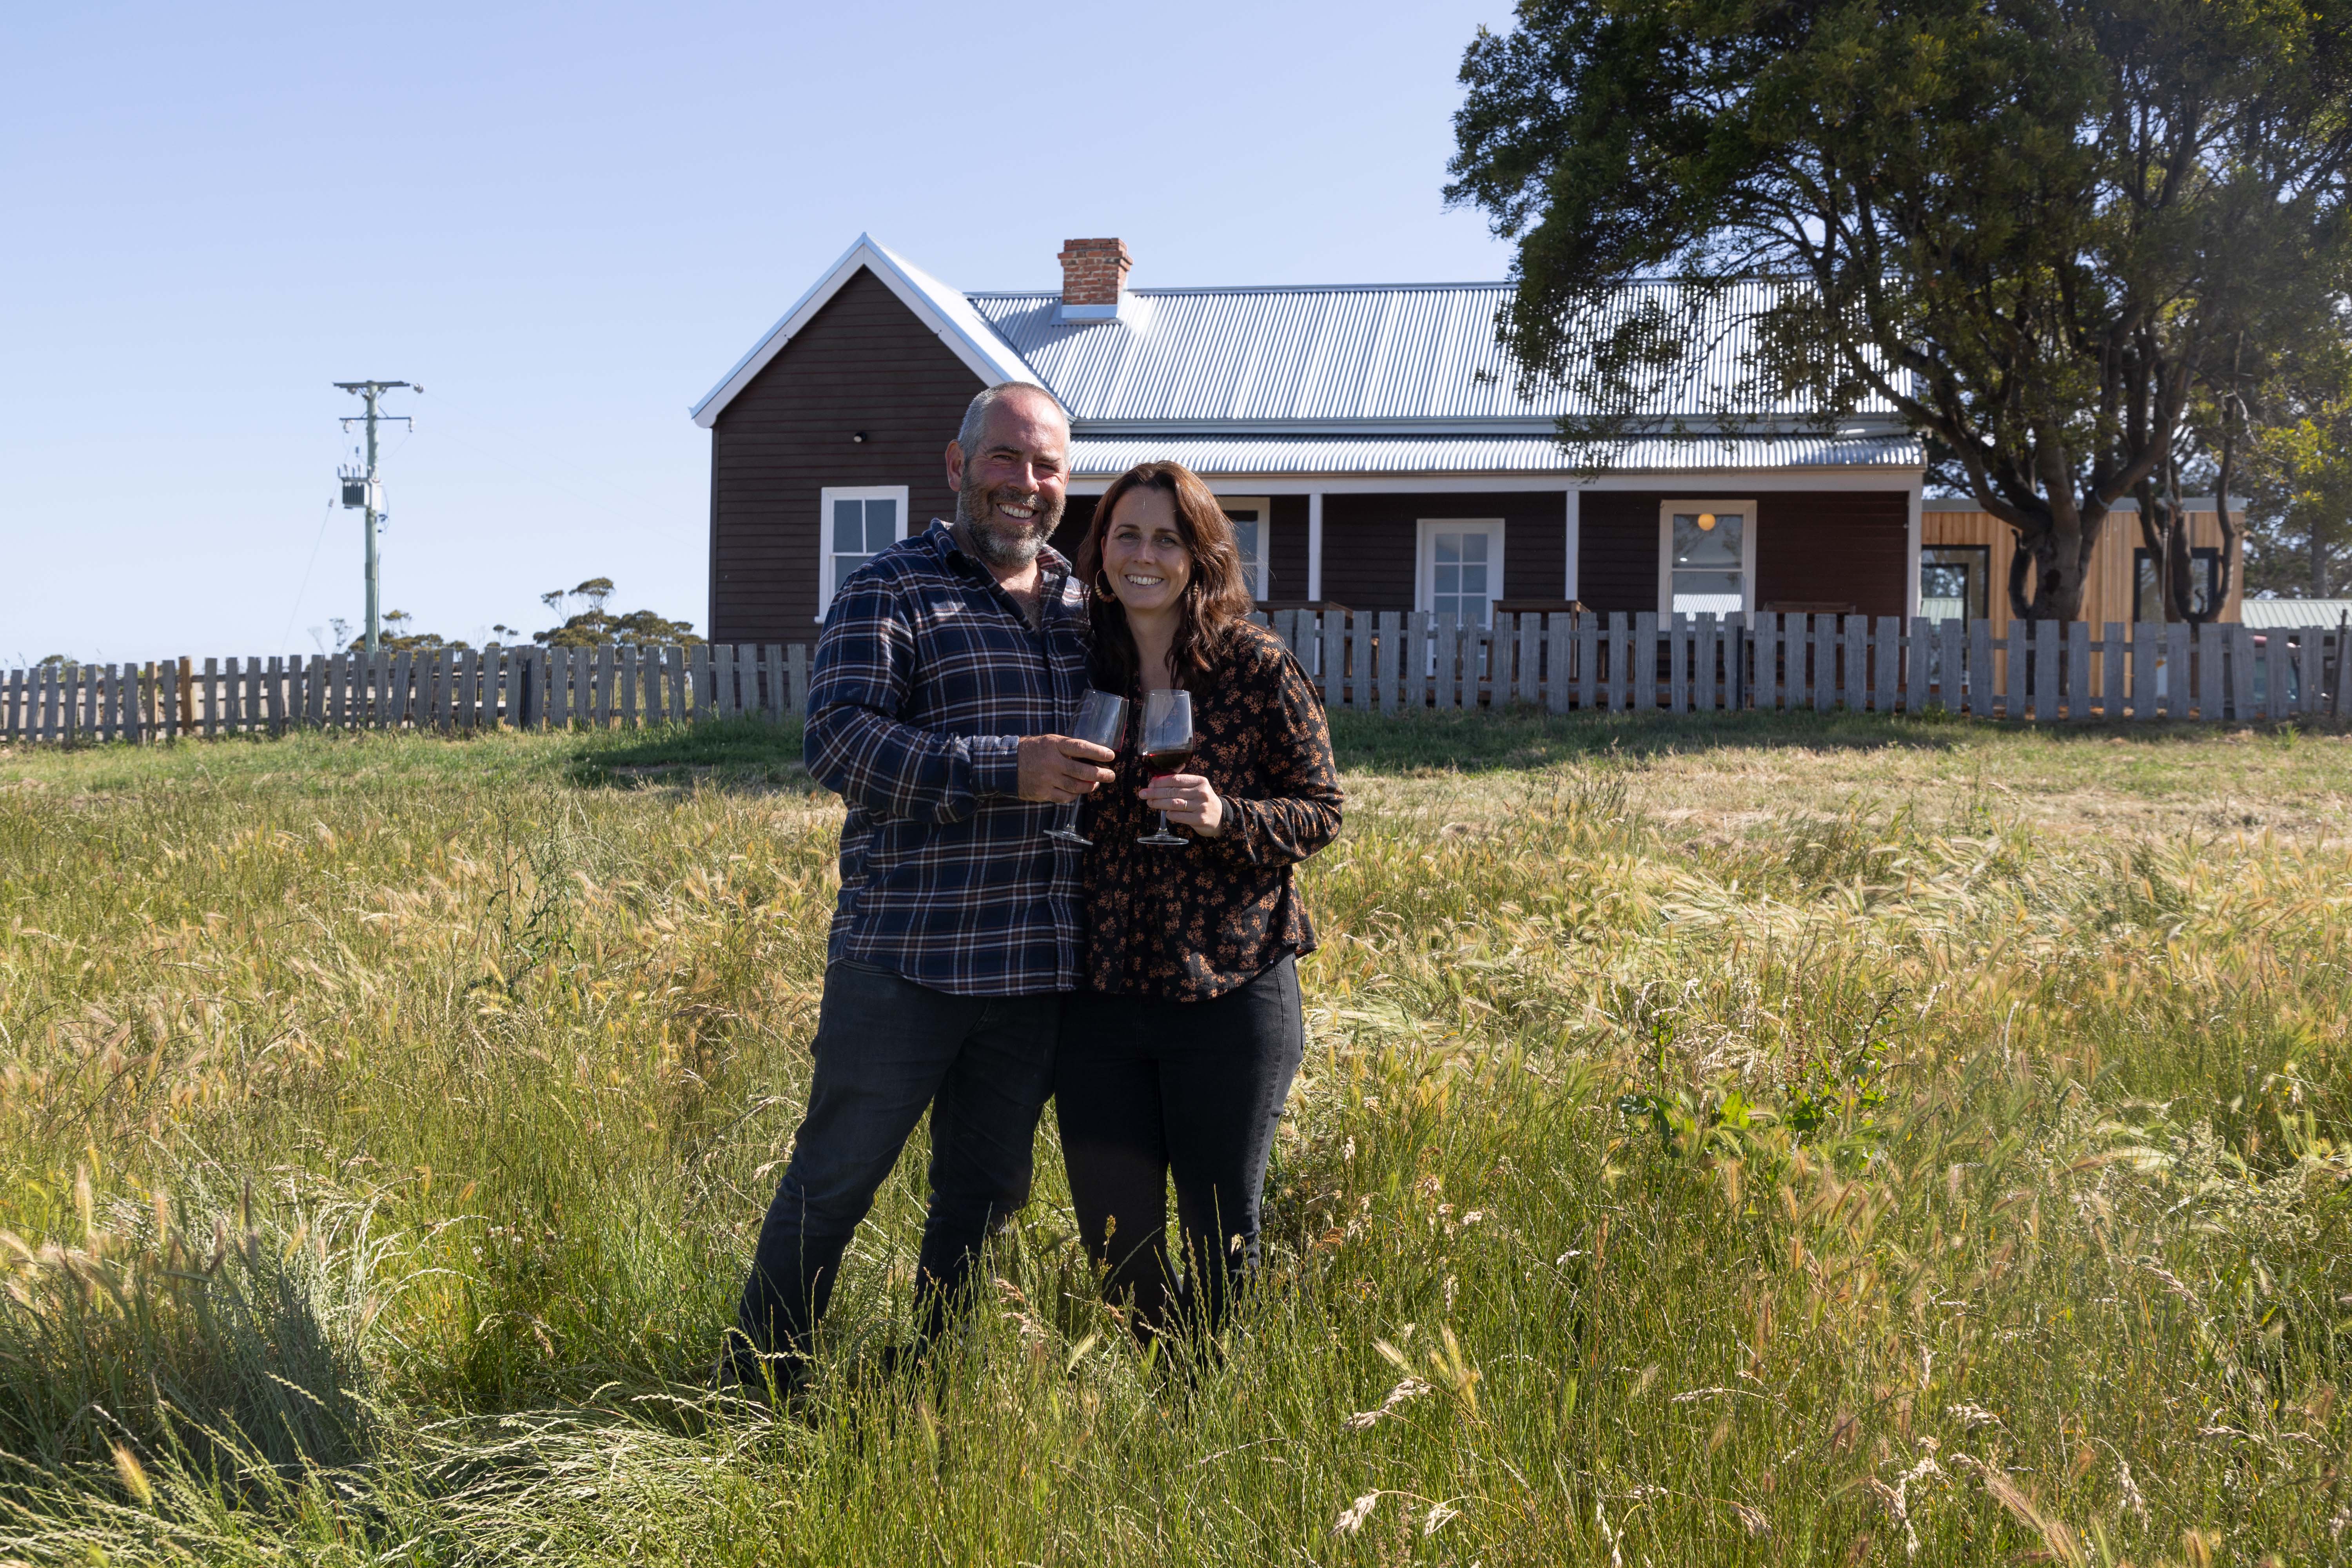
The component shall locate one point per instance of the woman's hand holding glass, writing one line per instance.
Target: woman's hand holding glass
(1186, 800)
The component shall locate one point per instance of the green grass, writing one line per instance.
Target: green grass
(1767, 1141)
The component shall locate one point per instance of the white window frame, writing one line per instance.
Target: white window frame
(1667, 509)
(825, 585)
(1264, 507)
(1424, 563)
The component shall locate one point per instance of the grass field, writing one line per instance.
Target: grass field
(1780, 1141)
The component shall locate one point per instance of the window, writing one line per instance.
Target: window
(1460, 569)
(856, 524)
(2204, 584)
(1706, 557)
(1251, 517)
(1954, 582)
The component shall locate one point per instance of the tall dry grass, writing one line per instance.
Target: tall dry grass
(1813, 1141)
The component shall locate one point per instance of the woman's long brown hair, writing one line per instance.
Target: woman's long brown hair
(1216, 598)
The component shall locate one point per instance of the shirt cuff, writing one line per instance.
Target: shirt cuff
(1241, 832)
(995, 764)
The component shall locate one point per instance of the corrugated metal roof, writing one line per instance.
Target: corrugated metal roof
(1099, 457)
(1397, 356)
(2288, 613)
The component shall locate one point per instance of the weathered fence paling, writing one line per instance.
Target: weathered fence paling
(1383, 662)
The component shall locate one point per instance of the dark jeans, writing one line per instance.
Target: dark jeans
(886, 1048)
(1143, 1088)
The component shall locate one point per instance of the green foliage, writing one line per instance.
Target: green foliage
(397, 636)
(2299, 530)
(1698, 1157)
(596, 627)
(2074, 242)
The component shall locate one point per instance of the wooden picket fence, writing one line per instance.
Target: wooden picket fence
(1388, 662)
(459, 690)
(1392, 662)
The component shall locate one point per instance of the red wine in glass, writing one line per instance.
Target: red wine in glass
(1165, 746)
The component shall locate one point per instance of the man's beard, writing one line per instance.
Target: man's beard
(1001, 541)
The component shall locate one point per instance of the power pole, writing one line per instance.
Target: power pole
(363, 490)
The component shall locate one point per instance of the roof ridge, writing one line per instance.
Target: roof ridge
(1051, 293)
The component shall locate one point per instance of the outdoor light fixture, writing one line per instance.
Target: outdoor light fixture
(1706, 522)
(858, 436)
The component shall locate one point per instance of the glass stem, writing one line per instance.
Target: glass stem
(1163, 825)
(1067, 819)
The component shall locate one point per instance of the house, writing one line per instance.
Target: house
(1369, 441)
(1965, 553)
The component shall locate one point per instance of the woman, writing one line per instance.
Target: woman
(1178, 1049)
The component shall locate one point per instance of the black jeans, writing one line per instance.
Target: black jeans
(1144, 1088)
(886, 1048)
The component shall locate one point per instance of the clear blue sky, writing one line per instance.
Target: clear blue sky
(567, 222)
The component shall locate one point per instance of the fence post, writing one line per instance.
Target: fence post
(1330, 670)
(2041, 670)
(2176, 670)
(1617, 640)
(1852, 683)
(1706, 659)
(1812, 676)
(1737, 681)
(1642, 662)
(2336, 689)
(1886, 661)
(1445, 664)
(1584, 634)
(2078, 671)
(1677, 629)
(799, 657)
(697, 683)
(1821, 633)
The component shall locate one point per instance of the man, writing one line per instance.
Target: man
(947, 666)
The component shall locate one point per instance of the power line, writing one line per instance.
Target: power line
(294, 613)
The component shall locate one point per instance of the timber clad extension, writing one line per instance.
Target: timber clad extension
(1376, 433)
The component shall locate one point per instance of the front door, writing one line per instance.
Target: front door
(1461, 569)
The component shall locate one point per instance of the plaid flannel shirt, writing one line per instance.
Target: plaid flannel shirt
(926, 676)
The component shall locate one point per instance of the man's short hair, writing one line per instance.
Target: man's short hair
(975, 414)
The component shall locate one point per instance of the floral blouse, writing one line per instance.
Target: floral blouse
(1185, 925)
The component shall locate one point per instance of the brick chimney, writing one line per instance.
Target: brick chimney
(1094, 276)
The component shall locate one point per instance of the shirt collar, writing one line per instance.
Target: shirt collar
(940, 537)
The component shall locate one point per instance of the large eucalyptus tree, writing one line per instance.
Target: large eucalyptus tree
(2072, 242)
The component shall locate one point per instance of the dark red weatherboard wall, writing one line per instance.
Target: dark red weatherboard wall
(1811, 546)
(864, 364)
(1368, 542)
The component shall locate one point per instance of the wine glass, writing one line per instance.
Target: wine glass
(1102, 719)
(1165, 746)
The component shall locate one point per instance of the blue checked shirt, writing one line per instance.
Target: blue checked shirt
(926, 676)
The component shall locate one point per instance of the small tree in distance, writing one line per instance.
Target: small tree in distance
(397, 637)
(597, 627)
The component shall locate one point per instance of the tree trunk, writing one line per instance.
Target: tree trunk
(2056, 575)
